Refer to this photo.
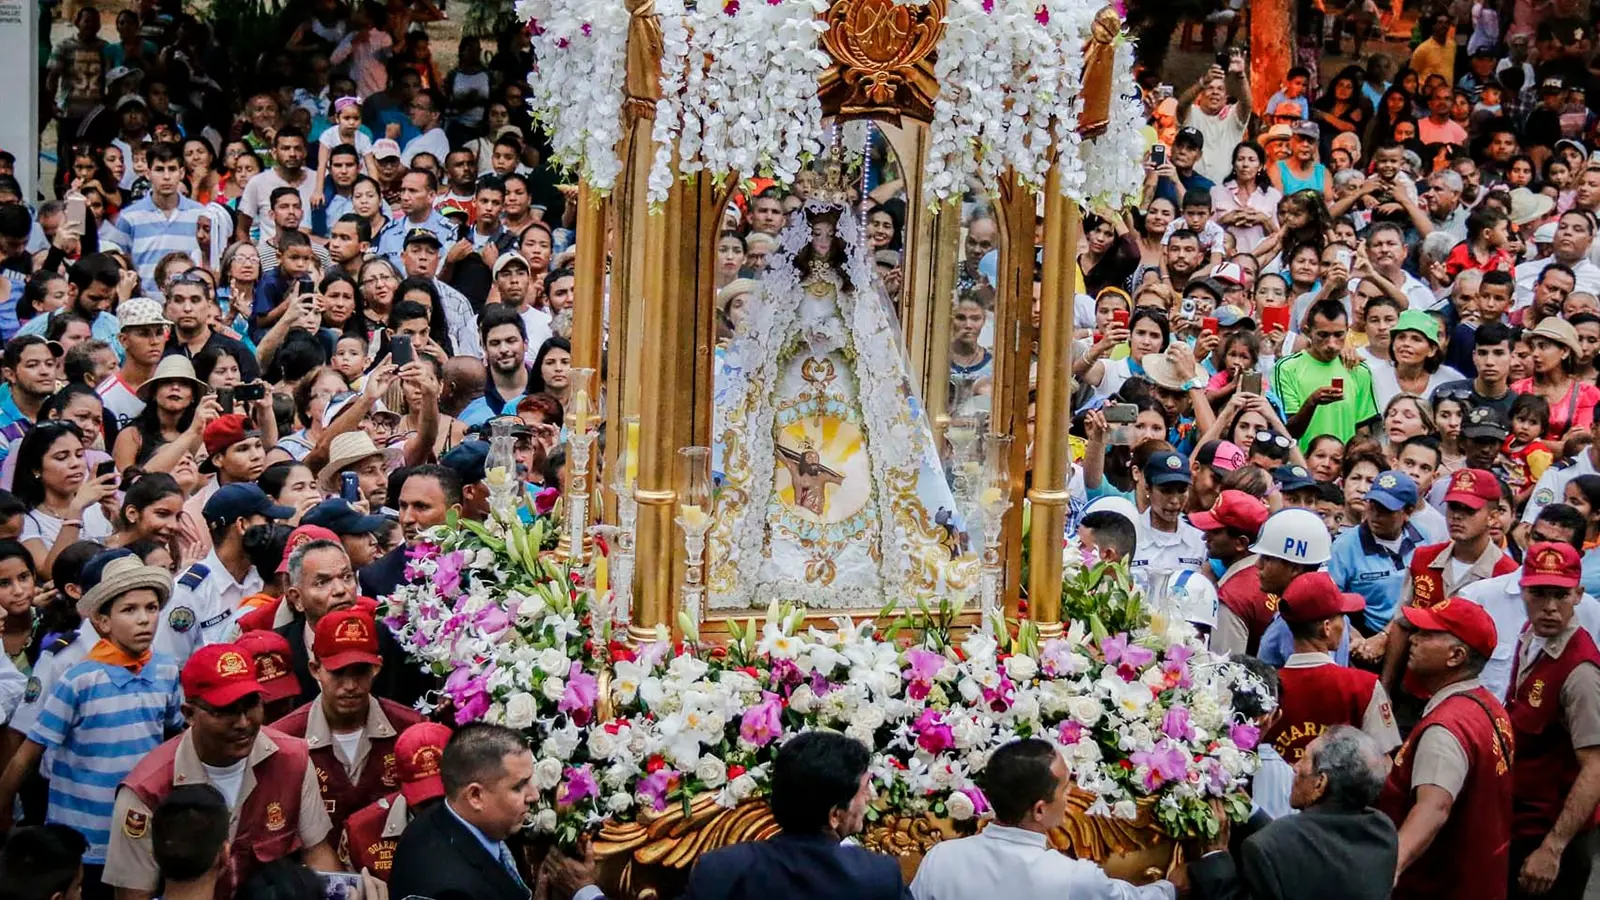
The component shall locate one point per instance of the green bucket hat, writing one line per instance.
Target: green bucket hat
(1418, 321)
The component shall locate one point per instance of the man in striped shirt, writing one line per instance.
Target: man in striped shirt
(163, 222)
(108, 711)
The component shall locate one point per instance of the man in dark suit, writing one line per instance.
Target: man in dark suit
(819, 796)
(457, 849)
(1337, 848)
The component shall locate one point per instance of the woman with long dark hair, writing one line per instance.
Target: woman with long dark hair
(1556, 350)
(171, 398)
(1246, 203)
(884, 227)
(552, 370)
(1396, 106)
(1342, 109)
(149, 510)
(1110, 253)
(423, 291)
(341, 305)
(63, 500)
(18, 578)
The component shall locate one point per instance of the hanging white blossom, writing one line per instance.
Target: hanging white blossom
(576, 86)
(1112, 162)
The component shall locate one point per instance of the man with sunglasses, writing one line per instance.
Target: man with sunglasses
(266, 777)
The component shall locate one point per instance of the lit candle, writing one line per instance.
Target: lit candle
(580, 410)
(631, 470)
(602, 573)
(693, 516)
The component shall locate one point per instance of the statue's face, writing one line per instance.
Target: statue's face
(822, 237)
(810, 456)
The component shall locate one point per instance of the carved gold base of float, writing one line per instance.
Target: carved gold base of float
(650, 858)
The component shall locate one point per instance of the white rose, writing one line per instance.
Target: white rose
(484, 559)
(561, 742)
(742, 787)
(870, 718)
(553, 688)
(803, 700)
(859, 732)
(547, 773)
(602, 744)
(960, 807)
(619, 802)
(1085, 711)
(711, 771)
(1025, 708)
(1021, 668)
(521, 709)
(1125, 809)
(553, 661)
(545, 821)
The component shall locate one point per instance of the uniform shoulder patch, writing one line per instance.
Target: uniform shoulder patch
(1565, 463)
(61, 642)
(194, 575)
(34, 688)
(181, 618)
(135, 824)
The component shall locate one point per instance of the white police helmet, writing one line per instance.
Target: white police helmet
(1189, 596)
(1295, 535)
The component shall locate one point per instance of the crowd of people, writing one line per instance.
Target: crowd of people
(1336, 390)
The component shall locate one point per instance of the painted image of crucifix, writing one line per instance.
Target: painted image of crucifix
(809, 477)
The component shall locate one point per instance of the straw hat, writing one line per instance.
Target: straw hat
(128, 573)
(173, 368)
(1557, 329)
(347, 449)
(1526, 206)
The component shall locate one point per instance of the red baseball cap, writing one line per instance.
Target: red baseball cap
(274, 671)
(302, 535)
(1472, 487)
(1466, 620)
(1550, 564)
(1233, 509)
(417, 753)
(346, 637)
(1314, 597)
(225, 431)
(219, 675)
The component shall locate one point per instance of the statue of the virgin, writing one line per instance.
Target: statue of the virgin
(832, 492)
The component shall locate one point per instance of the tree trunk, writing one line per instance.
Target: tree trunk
(1272, 46)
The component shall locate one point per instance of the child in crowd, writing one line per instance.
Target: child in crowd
(1197, 218)
(43, 863)
(350, 359)
(1526, 455)
(346, 129)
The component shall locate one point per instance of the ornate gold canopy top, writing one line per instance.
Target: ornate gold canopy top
(882, 59)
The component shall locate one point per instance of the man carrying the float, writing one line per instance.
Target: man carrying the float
(1317, 692)
(1554, 704)
(1450, 789)
(372, 833)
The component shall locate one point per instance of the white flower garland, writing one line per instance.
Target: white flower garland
(576, 86)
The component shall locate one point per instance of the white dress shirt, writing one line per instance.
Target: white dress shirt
(1585, 273)
(1501, 598)
(1019, 865)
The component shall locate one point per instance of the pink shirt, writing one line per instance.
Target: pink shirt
(1225, 198)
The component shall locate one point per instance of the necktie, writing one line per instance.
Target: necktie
(510, 866)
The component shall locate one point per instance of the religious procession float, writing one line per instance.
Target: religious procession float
(800, 519)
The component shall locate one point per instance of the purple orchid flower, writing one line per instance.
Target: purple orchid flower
(1069, 732)
(578, 701)
(578, 786)
(933, 735)
(1128, 657)
(1163, 764)
(924, 666)
(1244, 735)
(980, 803)
(1176, 725)
(492, 621)
(654, 787)
(469, 693)
(447, 573)
(763, 723)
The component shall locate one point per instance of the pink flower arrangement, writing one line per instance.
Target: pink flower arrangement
(933, 735)
(763, 723)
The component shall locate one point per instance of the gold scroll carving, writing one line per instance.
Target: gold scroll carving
(882, 65)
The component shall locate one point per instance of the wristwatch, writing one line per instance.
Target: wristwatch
(1195, 384)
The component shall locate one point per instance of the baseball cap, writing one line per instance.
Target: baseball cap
(1224, 455)
(1234, 317)
(338, 516)
(1550, 564)
(117, 73)
(1552, 84)
(1485, 422)
(1545, 234)
(417, 753)
(1313, 597)
(271, 655)
(131, 100)
(219, 675)
(1166, 468)
(384, 148)
(1190, 135)
(468, 459)
(1113, 504)
(1307, 129)
(420, 235)
(346, 637)
(1292, 478)
(1216, 288)
(1472, 487)
(1233, 509)
(1418, 321)
(233, 502)
(137, 311)
(509, 259)
(223, 432)
(1228, 272)
(1467, 621)
(301, 536)
(1393, 491)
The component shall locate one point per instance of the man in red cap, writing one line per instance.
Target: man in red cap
(274, 672)
(1554, 704)
(1231, 527)
(1317, 693)
(350, 732)
(1438, 571)
(371, 833)
(236, 454)
(1450, 789)
(266, 777)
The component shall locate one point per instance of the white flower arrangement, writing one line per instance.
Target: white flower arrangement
(580, 52)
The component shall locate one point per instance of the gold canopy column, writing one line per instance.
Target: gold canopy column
(1051, 454)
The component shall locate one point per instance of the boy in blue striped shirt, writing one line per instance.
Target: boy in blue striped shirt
(108, 711)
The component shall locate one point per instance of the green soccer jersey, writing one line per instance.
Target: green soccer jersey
(1294, 379)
